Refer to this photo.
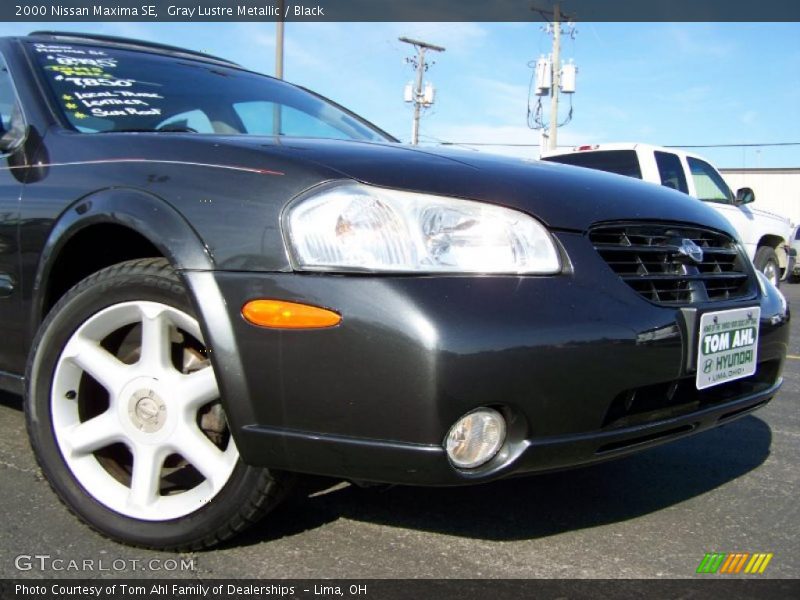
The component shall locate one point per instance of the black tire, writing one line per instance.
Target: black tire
(243, 498)
(766, 261)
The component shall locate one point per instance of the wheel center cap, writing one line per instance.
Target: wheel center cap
(147, 411)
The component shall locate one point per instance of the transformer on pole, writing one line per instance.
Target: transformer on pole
(552, 78)
(422, 95)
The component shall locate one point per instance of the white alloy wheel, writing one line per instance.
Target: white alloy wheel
(136, 414)
(124, 415)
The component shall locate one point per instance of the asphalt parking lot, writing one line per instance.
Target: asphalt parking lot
(734, 489)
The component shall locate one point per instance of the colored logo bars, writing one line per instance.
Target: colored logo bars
(733, 563)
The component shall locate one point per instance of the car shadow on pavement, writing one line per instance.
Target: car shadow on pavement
(11, 400)
(527, 507)
(535, 506)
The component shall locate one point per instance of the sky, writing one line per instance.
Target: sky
(658, 83)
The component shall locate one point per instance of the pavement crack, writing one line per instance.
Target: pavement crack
(14, 467)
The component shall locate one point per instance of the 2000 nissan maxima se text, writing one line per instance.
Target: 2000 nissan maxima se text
(211, 279)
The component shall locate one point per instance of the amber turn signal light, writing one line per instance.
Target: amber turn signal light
(279, 314)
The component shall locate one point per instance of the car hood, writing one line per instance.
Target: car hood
(561, 196)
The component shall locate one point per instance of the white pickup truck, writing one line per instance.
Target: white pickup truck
(764, 234)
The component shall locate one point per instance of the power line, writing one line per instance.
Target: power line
(487, 144)
(514, 144)
(732, 145)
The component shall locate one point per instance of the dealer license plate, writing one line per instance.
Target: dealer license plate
(728, 346)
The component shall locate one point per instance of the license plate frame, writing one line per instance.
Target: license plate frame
(727, 345)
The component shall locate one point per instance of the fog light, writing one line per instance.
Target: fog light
(475, 438)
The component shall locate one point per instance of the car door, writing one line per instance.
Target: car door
(710, 187)
(12, 325)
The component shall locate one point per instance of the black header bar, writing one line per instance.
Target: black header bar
(396, 10)
(708, 588)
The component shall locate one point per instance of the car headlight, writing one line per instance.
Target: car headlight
(355, 227)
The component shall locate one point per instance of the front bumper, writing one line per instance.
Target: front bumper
(583, 368)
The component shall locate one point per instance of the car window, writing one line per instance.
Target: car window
(263, 118)
(12, 124)
(709, 184)
(195, 120)
(797, 234)
(7, 98)
(621, 162)
(671, 171)
(101, 89)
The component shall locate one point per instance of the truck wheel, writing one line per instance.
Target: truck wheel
(766, 261)
(125, 419)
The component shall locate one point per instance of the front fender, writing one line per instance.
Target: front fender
(142, 212)
(171, 234)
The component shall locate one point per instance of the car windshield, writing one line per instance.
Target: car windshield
(106, 89)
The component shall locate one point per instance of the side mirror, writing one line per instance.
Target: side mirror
(745, 195)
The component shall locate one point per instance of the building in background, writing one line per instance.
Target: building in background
(777, 190)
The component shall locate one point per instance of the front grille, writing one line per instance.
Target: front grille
(648, 258)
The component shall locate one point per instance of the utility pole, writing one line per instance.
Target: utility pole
(553, 79)
(552, 141)
(279, 24)
(418, 92)
(276, 108)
